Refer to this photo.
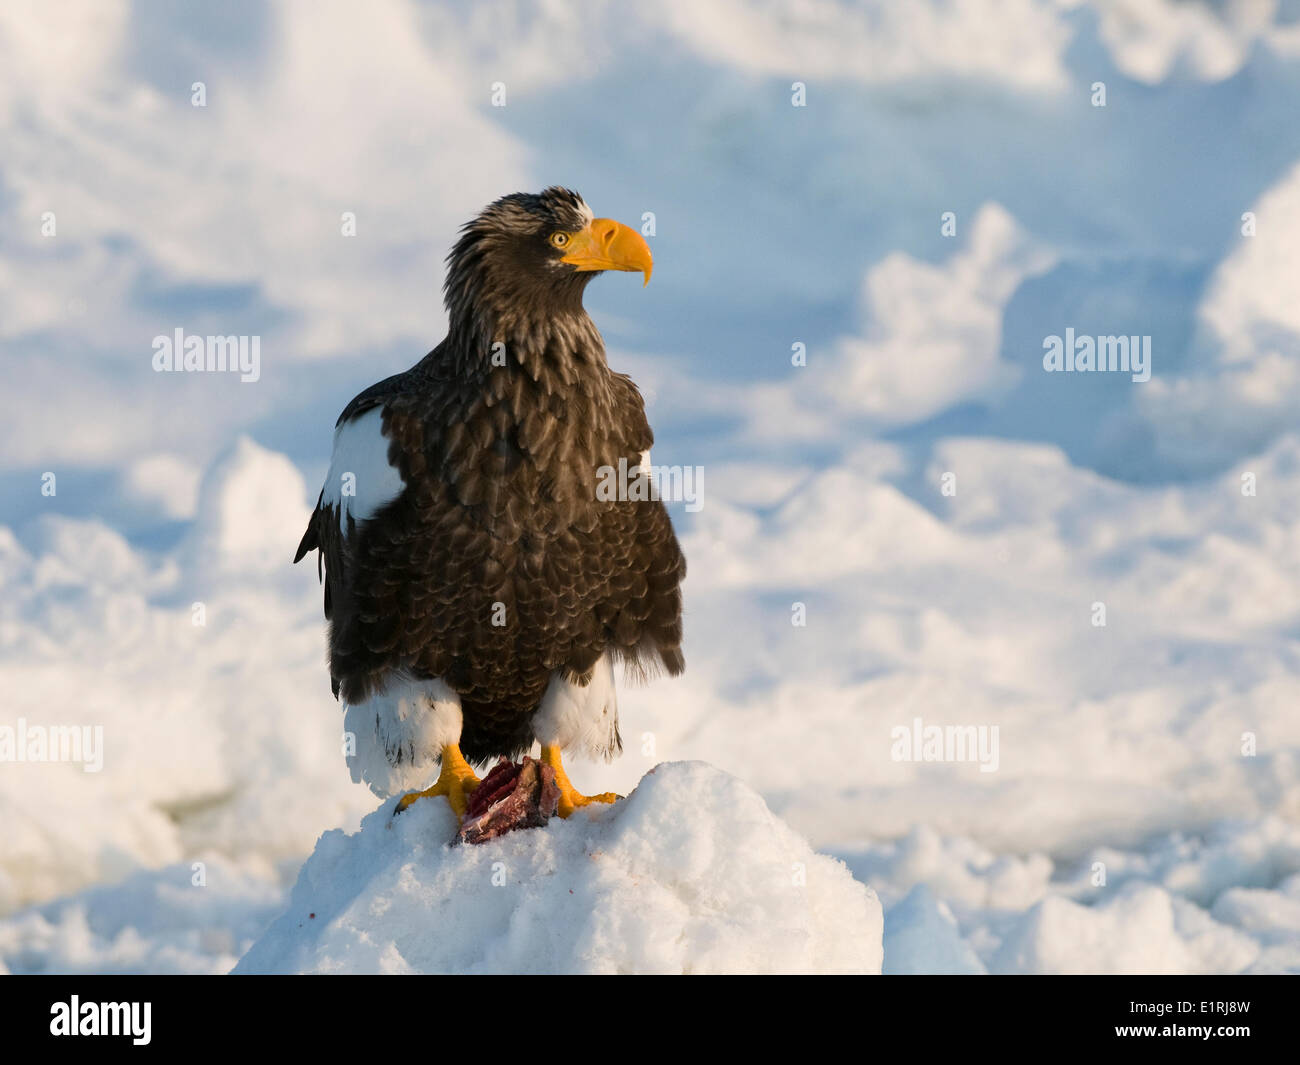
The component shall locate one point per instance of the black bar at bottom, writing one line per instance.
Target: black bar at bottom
(401, 1013)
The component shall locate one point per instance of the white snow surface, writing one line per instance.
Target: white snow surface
(691, 873)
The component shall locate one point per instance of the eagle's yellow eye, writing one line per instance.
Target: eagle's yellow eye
(559, 240)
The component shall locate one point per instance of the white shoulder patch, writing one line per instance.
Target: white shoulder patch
(360, 480)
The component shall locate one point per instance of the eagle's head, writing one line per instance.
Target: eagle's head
(533, 254)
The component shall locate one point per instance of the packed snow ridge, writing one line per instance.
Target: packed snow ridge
(691, 873)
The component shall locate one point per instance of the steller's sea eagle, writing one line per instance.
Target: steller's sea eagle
(478, 588)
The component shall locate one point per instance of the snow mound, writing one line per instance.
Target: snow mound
(923, 937)
(692, 873)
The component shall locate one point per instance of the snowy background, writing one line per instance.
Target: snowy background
(1121, 746)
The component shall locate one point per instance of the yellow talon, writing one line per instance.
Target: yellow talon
(570, 797)
(455, 780)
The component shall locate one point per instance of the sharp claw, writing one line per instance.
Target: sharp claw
(573, 800)
(455, 781)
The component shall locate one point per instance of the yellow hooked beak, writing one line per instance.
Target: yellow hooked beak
(609, 245)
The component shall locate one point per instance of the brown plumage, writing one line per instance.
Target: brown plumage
(498, 434)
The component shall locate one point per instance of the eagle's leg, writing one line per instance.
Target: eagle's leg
(455, 780)
(570, 797)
